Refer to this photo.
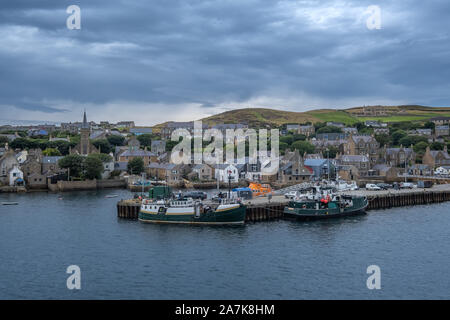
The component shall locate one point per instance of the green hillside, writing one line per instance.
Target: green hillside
(261, 117)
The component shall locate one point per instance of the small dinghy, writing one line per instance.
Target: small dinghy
(111, 196)
(9, 203)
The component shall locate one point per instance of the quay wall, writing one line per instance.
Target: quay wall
(111, 183)
(266, 211)
(62, 186)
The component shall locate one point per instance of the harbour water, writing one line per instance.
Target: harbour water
(119, 259)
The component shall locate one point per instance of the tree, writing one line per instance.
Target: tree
(329, 129)
(332, 152)
(3, 140)
(51, 152)
(420, 148)
(103, 157)
(62, 146)
(437, 146)
(396, 136)
(283, 146)
(383, 139)
(72, 162)
(145, 139)
(171, 144)
(103, 145)
(116, 140)
(429, 125)
(303, 146)
(299, 137)
(93, 167)
(288, 139)
(406, 141)
(20, 143)
(135, 166)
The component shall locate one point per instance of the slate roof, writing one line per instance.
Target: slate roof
(49, 159)
(138, 153)
(354, 158)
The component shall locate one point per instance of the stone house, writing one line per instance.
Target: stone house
(203, 172)
(396, 157)
(439, 121)
(441, 131)
(172, 173)
(335, 124)
(293, 127)
(7, 162)
(294, 170)
(350, 130)
(436, 158)
(158, 146)
(131, 154)
(36, 180)
(306, 130)
(50, 165)
(379, 131)
(361, 162)
(420, 132)
(33, 164)
(348, 172)
(388, 173)
(363, 145)
(420, 170)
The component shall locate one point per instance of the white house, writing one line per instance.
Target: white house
(15, 176)
(108, 167)
(224, 171)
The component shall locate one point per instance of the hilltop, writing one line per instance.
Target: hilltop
(261, 117)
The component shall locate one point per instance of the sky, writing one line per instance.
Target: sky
(181, 60)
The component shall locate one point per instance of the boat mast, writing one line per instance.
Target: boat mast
(229, 184)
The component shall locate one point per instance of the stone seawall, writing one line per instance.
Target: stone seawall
(62, 186)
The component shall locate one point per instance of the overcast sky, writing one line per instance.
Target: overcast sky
(158, 60)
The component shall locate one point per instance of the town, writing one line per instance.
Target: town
(88, 155)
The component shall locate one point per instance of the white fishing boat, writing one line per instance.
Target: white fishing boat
(188, 211)
(9, 203)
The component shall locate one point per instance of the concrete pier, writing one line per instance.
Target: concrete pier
(261, 209)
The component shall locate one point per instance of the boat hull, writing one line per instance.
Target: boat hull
(233, 216)
(310, 217)
(296, 213)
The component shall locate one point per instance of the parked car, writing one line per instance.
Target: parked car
(384, 186)
(371, 186)
(425, 184)
(291, 194)
(195, 195)
(407, 185)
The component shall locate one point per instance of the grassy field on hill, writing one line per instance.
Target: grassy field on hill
(261, 117)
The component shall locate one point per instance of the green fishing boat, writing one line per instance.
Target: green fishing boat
(326, 208)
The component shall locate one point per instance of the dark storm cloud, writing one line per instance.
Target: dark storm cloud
(211, 53)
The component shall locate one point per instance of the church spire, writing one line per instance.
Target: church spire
(85, 124)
